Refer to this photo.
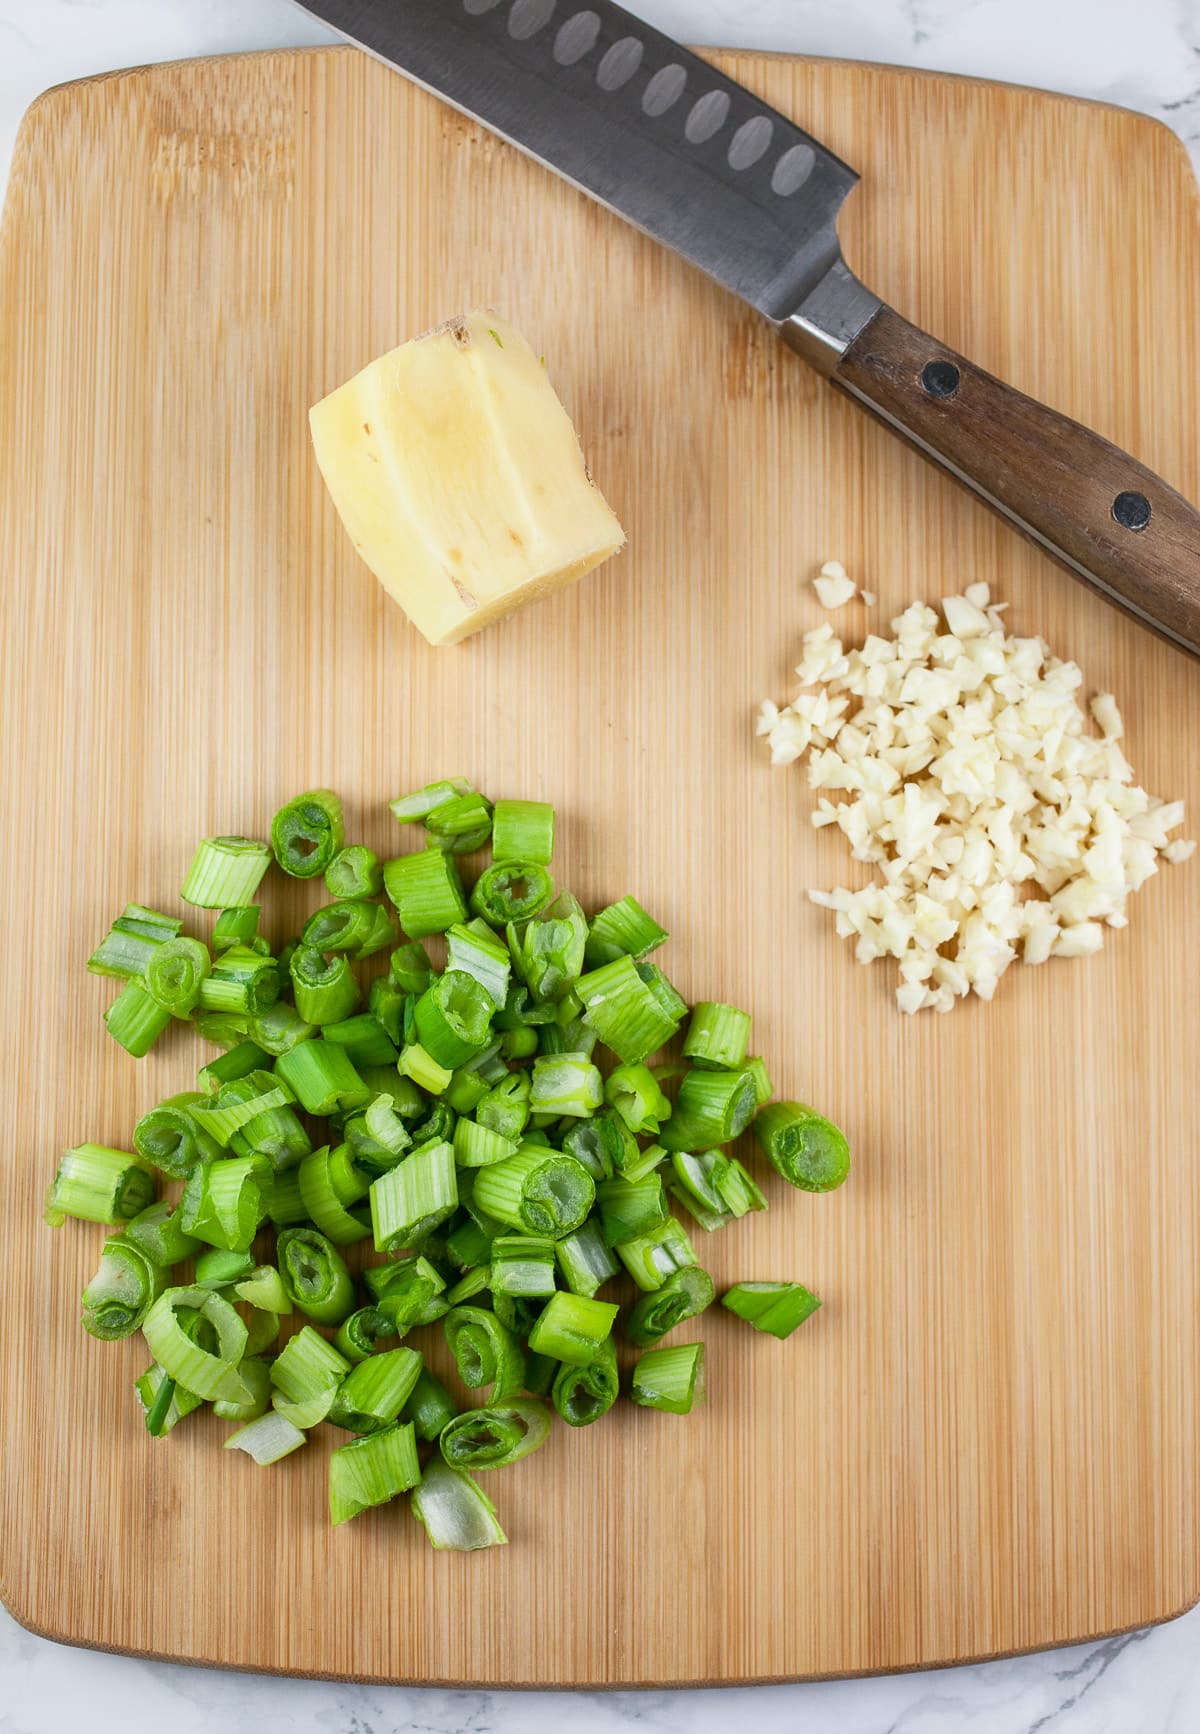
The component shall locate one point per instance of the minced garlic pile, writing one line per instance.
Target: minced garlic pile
(1002, 828)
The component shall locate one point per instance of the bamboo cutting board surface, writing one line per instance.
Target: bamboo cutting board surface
(987, 1439)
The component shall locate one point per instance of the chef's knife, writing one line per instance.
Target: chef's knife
(698, 162)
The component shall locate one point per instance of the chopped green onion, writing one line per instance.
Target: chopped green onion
(629, 1208)
(409, 1202)
(372, 1470)
(156, 1231)
(375, 1390)
(235, 1105)
(117, 1299)
(131, 942)
(739, 1194)
(452, 1018)
(548, 949)
(363, 1039)
(323, 1078)
(566, 1084)
(326, 989)
(306, 1374)
(539, 1374)
(582, 1395)
(255, 1375)
(281, 1195)
(237, 926)
(474, 950)
(357, 929)
(505, 1108)
(236, 1063)
(469, 1286)
(764, 1089)
(484, 1351)
(495, 1436)
(710, 1109)
(430, 1406)
(522, 1265)
(306, 834)
(171, 1140)
(266, 1439)
(387, 1005)
(776, 1307)
(223, 1029)
(96, 1184)
(626, 1008)
(405, 809)
(407, 1292)
(465, 1091)
(223, 1204)
(460, 825)
(353, 873)
(584, 1259)
(411, 969)
(670, 1379)
(523, 831)
(427, 892)
(697, 1179)
(264, 1288)
(633, 1091)
(437, 1126)
(468, 1246)
(241, 980)
(135, 1019)
(378, 1137)
(519, 1044)
(511, 891)
(164, 1403)
(175, 973)
(280, 1027)
(517, 1313)
(718, 1035)
(602, 1144)
(808, 1150)
(654, 1257)
(225, 872)
(361, 1334)
(208, 1373)
(622, 930)
(217, 1268)
(683, 1295)
(325, 1207)
(572, 1327)
(537, 1191)
(315, 1276)
(274, 1132)
(644, 1164)
(454, 1511)
(423, 1069)
(477, 1146)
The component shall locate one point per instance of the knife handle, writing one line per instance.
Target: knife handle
(1113, 522)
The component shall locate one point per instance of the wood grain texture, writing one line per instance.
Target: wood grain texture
(987, 1440)
(1058, 481)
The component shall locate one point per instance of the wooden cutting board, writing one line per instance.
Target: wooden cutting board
(987, 1440)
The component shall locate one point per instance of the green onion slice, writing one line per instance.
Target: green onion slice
(523, 831)
(225, 872)
(96, 1184)
(175, 972)
(776, 1307)
(117, 1299)
(572, 1327)
(582, 1394)
(484, 1351)
(375, 1390)
(808, 1150)
(622, 930)
(315, 1276)
(209, 1373)
(370, 1471)
(511, 891)
(537, 1191)
(683, 1295)
(454, 1511)
(306, 834)
(267, 1439)
(670, 1379)
(354, 873)
(493, 1437)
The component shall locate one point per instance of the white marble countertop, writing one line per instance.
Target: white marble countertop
(1144, 53)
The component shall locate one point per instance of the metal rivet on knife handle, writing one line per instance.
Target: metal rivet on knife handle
(941, 379)
(1131, 511)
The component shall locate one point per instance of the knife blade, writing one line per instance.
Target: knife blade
(695, 160)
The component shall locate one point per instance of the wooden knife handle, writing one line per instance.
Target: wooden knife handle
(1113, 522)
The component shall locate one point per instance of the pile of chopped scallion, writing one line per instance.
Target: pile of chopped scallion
(494, 1127)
